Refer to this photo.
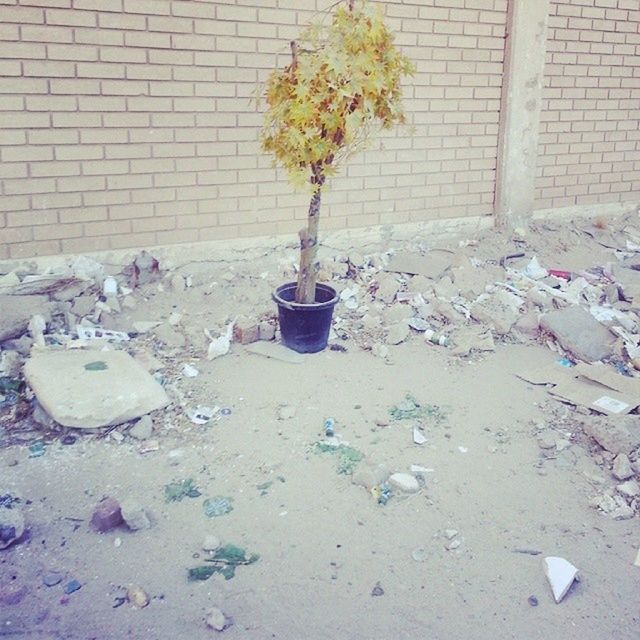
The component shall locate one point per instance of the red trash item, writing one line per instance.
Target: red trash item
(558, 273)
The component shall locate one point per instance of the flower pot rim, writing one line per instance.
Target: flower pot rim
(302, 306)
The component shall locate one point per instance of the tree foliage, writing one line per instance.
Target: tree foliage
(342, 85)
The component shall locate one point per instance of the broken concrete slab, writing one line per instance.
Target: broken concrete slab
(580, 333)
(561, 575)
(16, 311)
(499, 310)
(433, 265)
(89, 389)
(619, 435)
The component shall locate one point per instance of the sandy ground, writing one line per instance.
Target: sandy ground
(326, 546)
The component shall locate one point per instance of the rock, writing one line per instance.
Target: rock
(107, 515)
(622, 467)
(450, 534)
(52, 579)
(90, 389)
(452, 544)
(397, 313)
(382, 421)
(217, 620)
(41, 417)
(166, 333)
(72, 586)
(286, 412)
(357, 259)
(397, 333)
(419, 284)
(11, 522)
(614, 506)
(246, 330)
(387, 288)
(404, 482)
(528, 324)
(10, 364)
(143, 429)
(369, 474)
(629, 489)
(547, 439)
(499, 310)
(135, 516)
(381, 350)
(618, 434)
(580, 333)
(17, 311)
(370, 322)
(561, 575)
(266, 331)
(129, 302)
(211, 543)
(137, 596)
(178, 283)
(9, 280)
(12, 594)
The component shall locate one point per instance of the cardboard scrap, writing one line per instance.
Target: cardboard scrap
(594, 386)
(433, 265)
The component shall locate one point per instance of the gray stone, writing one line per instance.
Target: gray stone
(397, 313)
(17, 311)
(580, 333)
(167, 334)
(135, 516)
(369, 474)
(629, 489)
(286, 412)
(547, 439)
(619, 434)
(388, 286)
(622, 467)
(266, 331)
(357, 259)
(143, 429)
(92, 389)
(398, 333)
(11, 524)
(177, 282)
(499, 311)
(52, 579)
(419, 284)
(614, 506)
(404, 482)
(217, 620)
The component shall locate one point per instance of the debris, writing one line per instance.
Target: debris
(410, 409)
(418, 324)
(246, 330)
(404, 482)
(534, 271)
(176, 491)
(211, 543)
(614, 506)
(276, 352)
(202, 415)
(433, 265)
(219, 346)
(12, 523)
(168, 335)
(137, 596)
(468, 339)
(561, 575)
(215, 619)
(144, 326)
(397, 333)
(75, 398)
(450, 534)
(629, 489)
(418, 436)
(52, 579)
(329, 427)
(134, 515)
(218, 506)
(145, 269)
(190, 371)
(149, 446)
(528, 552)
(107, 515)
(533, 601)
(452, 544)
(420, 554)
(387, 289)
(499, 311)
(622, 467)
(579, 332)
(110, 286)
(17, 311)
(266, 331)
(72, 586)
(436, 338)
(621, 435)
(142, 429)
(377, 590)
(100, 333)
(225, 560)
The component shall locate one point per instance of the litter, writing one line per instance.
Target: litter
(220, 346)
(561, 574)
(418, 436)
(201, 414)
(218, 506)
(534, 271)
(190, 371)
(224, 561)
(176, 491)
(99, 333)
(329, 427)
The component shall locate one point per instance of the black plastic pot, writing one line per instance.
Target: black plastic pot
(305, 327)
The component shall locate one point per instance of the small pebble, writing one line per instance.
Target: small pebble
(377, 590)
(71, 586)
(137, 596)
(419, 554)
(211, 543)
(217, 620)
(52, 579)
(533, 601)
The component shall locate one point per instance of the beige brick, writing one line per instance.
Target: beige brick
(15, 203)
(98, 5)
(84, 244)
(22, 50)
(171, 24)
(136, 240)
(152, 7)
(30, 85)
(100, 70)
(71, 17)
(57, 231)
(101, 37)
(147, 40)
(153, 195)
(121, 21)
(193, 9)
(121, 54)
(81, 152)
(26, 153)
(23, 15)
(81, 183)
(23, 120)
(21, 187)
(45, 33)
(55, 200)
(107, 228)
(129, 182)
(71, 52)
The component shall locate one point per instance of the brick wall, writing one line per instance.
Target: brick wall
(129, 123)
(589, 148)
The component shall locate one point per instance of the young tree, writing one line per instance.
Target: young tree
(342, 85)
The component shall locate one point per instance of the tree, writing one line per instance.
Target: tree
(343, 84)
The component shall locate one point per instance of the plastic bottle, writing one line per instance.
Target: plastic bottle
(329, 427)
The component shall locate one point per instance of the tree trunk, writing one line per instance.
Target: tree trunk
(309, 265)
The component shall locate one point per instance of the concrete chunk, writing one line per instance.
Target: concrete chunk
(580, 333)
(16, 311)
(92, 389)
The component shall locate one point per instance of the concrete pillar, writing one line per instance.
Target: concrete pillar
(525, 52)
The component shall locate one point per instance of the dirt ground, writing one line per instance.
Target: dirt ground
(461, 558)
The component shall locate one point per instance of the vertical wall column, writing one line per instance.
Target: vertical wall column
(525, 52)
